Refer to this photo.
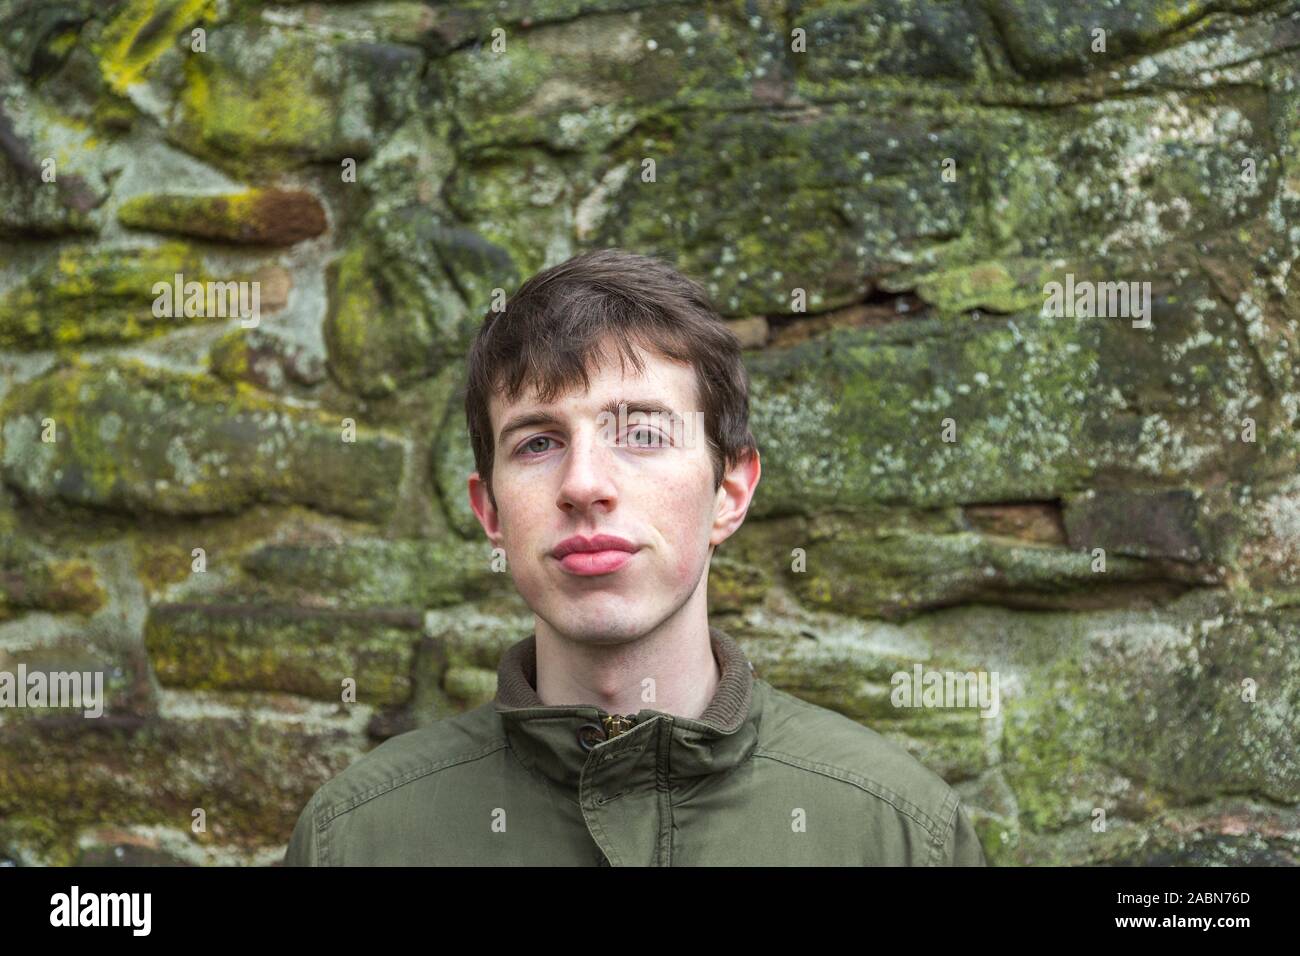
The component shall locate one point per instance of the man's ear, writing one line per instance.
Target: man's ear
(734, 496)
(481, 502)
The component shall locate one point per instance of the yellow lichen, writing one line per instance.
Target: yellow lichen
(141, 33)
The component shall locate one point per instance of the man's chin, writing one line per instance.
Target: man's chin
(598, 628)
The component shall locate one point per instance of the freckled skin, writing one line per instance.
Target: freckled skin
(555, 481)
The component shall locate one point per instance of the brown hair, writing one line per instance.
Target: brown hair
(550, 333)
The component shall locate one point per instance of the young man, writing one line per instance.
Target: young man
(626, 731)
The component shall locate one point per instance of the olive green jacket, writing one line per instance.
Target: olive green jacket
(760, 778)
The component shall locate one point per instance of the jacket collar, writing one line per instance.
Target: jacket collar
(549, 738)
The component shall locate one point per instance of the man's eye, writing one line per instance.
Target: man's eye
(651, 437)
(525, 446)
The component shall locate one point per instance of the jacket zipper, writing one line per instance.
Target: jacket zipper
(616, 724)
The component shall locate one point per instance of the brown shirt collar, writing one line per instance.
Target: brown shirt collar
(517, 681)
(561, 742)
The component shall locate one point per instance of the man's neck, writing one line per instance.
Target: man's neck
(672, 671)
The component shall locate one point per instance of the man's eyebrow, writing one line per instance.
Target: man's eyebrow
(648, 406)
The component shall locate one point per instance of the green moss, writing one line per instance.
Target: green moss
(143, 31)
(219, 447)
(283, 648)
(998, 836)
(951, 743)
(394, 317)
(229, 357)
(262, 100)
(251, 778)
(74, 586)
(521, 202)
(29, 581)
(89, 296)
(270, 216)
(986, 285)
(378, 572)
(452, 462)
(1141, 172)
(1044, 757)
(858, 199)
(471, 686)
(734, 585)
(852, 43)
(580, 85)
(1143, 716)
(282, 112)
(856, 419)
(1045, 37)
(900, 575)
(372, 348)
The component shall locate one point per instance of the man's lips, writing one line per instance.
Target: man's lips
(600, 554)
(596, 543)
(586, 563)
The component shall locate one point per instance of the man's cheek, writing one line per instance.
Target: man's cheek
(686, 562)
(687, 572)
(525, 573)
(531, 586)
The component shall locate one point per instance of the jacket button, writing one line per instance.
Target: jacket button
(589, 735)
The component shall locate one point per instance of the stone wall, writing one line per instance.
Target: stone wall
(228, 519)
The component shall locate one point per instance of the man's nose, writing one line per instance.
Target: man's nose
(588, 469)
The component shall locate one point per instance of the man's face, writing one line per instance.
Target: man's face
(578, 474)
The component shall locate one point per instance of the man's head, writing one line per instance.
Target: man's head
(575, 341)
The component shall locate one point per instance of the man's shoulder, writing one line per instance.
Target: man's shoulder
(821, 741)
(407, 757)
